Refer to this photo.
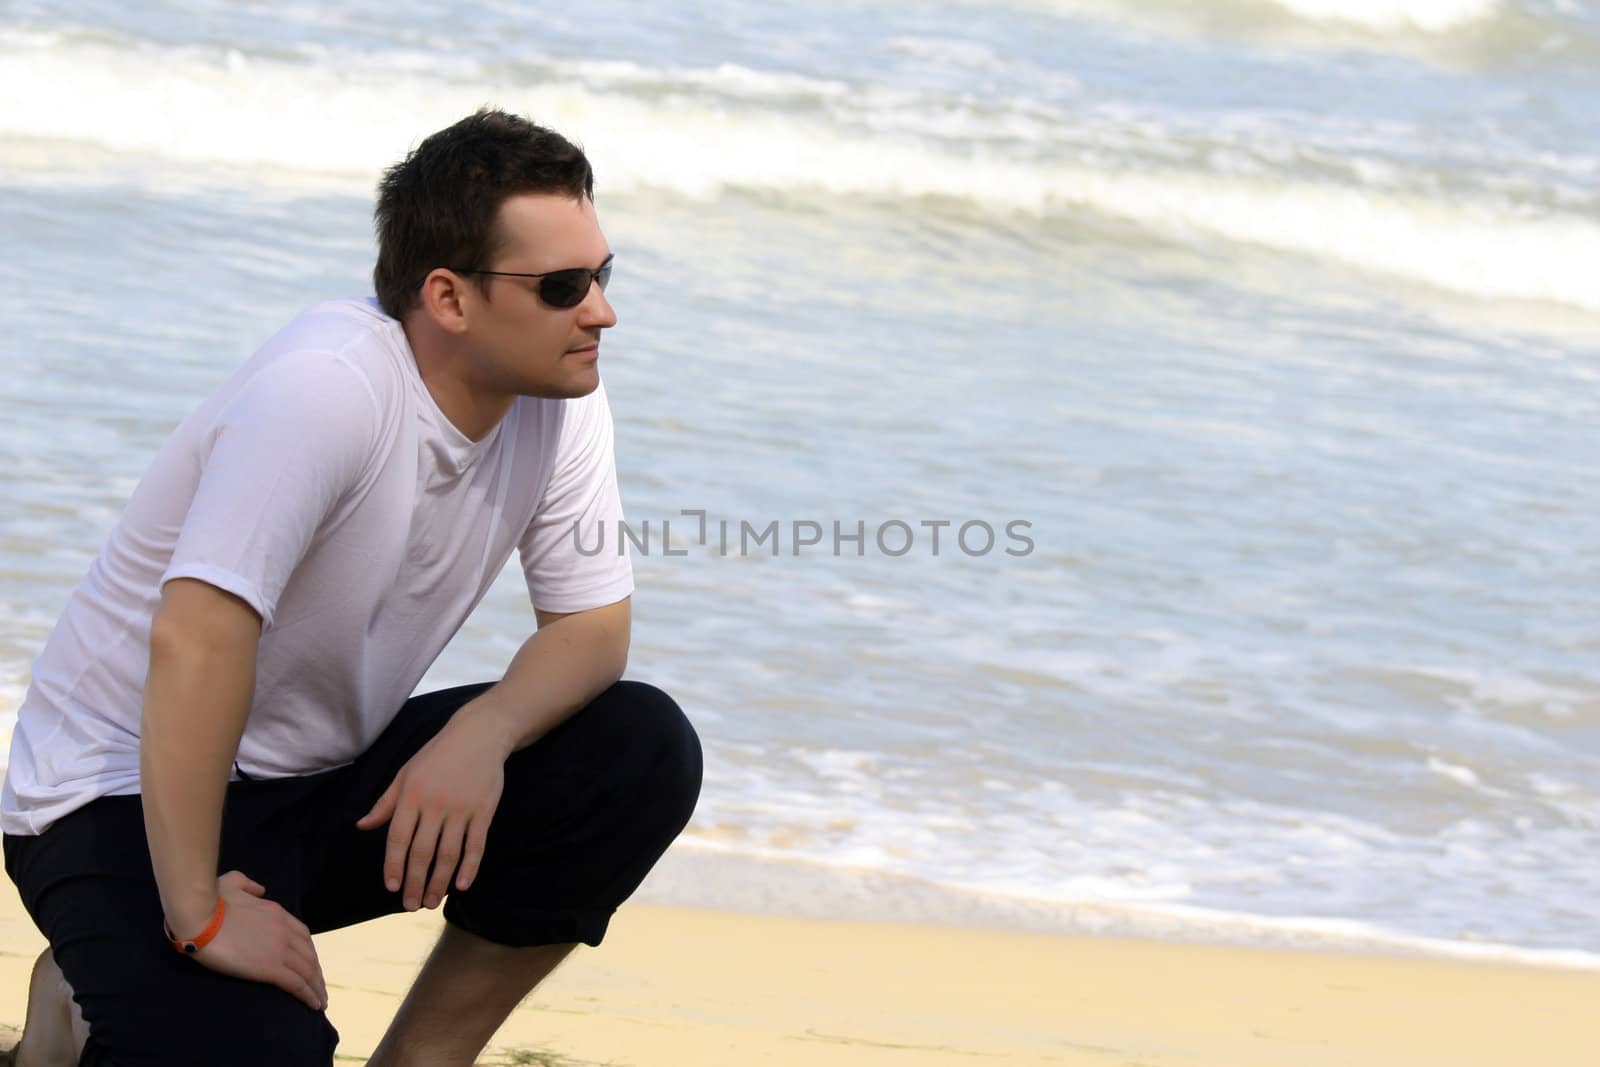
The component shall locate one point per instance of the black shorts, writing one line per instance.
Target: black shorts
(586, 812)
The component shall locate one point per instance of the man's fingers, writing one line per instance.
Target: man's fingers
(444, 862)
(292, 983)
(306, 968)
(401, 828)
(319, 984)
(477, 838)
(382, 810)
(304, 951)
(422, 847)
(299, 960)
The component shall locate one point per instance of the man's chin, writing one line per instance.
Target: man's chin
(573, 387)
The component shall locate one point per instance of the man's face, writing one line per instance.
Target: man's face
(521, 344)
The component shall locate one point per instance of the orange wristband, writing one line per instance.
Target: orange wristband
(189, 948)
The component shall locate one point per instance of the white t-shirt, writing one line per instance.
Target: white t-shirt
(323, 486)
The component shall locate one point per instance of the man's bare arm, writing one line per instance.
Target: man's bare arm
(569, 661)
(440, 804)
(196, 700)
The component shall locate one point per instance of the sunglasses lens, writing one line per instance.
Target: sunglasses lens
(565, 288)
(603, 275)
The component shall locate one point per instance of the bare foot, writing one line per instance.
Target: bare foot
(54, 1033)
(9, 1036)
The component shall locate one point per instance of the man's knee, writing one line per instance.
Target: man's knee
(669, 763)
(587, 812)
(636, 765)
(243, 1024)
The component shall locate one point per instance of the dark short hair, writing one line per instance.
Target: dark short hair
(438, 206)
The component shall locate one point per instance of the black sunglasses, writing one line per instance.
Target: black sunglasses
(559, 288)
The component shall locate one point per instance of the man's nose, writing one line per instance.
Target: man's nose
(596, 310)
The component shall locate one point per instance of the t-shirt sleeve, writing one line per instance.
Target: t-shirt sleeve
(282, 452)
(573, 553)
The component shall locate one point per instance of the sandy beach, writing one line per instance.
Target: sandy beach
(1109, 483)
(680, 986)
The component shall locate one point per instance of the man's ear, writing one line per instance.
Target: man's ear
(445, 299)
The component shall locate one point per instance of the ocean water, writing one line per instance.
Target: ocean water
(1273, 325)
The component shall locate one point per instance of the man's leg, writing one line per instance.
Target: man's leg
(88, 885)
(465, 991)
(587, 811)
(54, 1032)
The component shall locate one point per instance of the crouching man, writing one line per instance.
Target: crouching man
(219, 754)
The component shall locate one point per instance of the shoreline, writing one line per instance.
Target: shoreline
(702, 875)
(699, 875)
(696, 876)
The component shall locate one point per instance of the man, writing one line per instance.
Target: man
(226, 693)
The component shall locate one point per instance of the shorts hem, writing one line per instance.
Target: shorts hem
(527, 931)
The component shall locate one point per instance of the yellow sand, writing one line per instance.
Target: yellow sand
(708, 989)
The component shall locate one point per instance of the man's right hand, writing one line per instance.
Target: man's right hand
(262, 942)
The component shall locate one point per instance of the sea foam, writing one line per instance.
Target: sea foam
(278, 123)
